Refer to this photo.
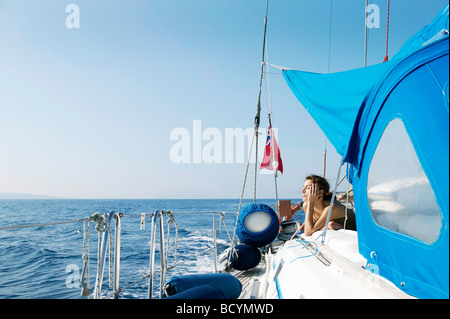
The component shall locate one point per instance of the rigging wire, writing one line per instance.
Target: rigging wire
(386, 58)
(43, 224)
(258, 105)
(329, 36)
(329, 68)
(366, 34)
(255, 135)
(269, 107)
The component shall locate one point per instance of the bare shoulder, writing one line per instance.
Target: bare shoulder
(337, 212)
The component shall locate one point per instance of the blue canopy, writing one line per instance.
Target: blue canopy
(429, 34)
(334, 100)
(353, 109)
(331, 101)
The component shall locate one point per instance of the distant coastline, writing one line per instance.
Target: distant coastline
(25, 196)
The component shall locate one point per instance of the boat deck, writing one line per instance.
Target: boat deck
(250, 280)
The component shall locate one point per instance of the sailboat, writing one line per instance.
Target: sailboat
(390, 124)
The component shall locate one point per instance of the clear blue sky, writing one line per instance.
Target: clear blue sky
(88, 112)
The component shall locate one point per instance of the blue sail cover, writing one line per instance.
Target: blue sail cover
(429, 34)
(353, 107)
(331, 101)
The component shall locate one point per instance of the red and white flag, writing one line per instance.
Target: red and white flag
(272, 157)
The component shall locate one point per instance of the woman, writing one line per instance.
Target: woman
(316, 204)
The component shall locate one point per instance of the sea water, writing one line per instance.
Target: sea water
(46, 261)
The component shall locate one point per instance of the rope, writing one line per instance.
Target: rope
(85, 288)
(99, 246)
(101, 227)
(82, 220)
(44, 224)
(386, 58)
(269, 106)
(258, 105)
(171, 220)
(242, 191)
(304, 245)
(256, 164)
(222, 219)
(277, 67)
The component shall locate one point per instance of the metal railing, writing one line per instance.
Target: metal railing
(102, 225)
(163, 256)
(103, 222)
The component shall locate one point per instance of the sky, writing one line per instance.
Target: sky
(136, 101)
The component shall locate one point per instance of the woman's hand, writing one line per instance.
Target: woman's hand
(314, 194)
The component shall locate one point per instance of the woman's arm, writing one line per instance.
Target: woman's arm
(320, 223)
(309, 218)
(313, 196)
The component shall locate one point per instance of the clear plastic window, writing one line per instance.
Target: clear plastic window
(399, 193)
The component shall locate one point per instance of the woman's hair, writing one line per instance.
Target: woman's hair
(323, 185)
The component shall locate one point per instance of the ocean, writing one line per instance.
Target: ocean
(45, 262)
